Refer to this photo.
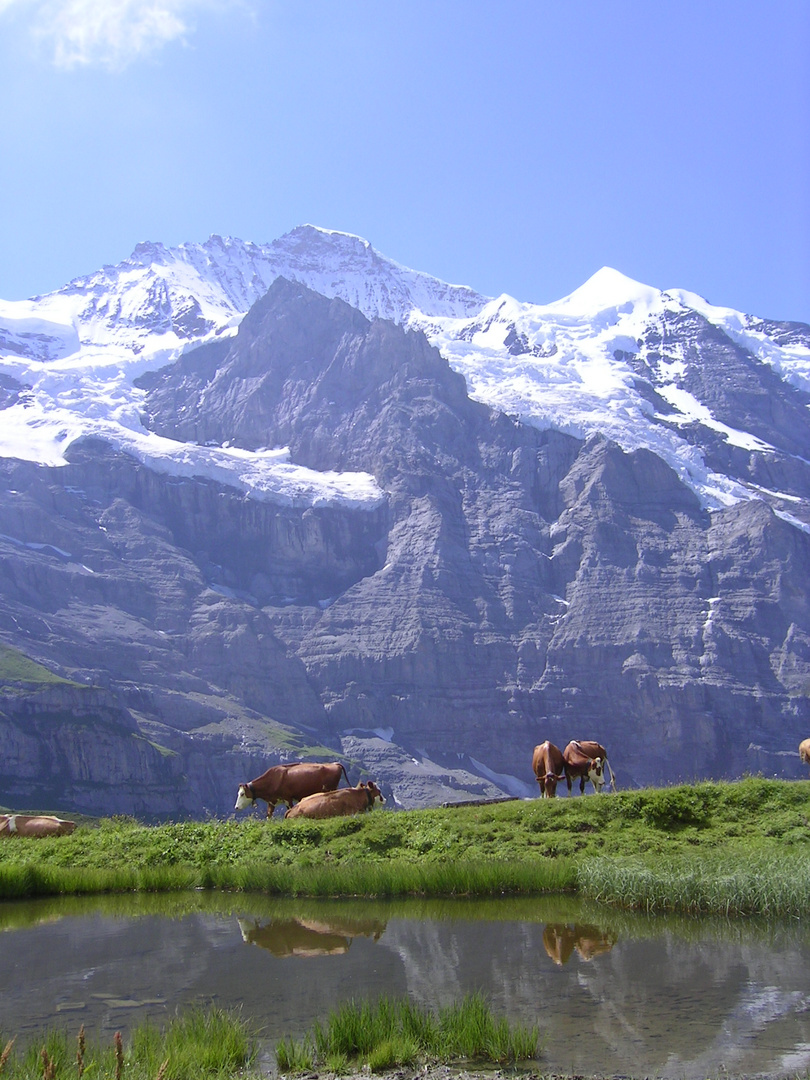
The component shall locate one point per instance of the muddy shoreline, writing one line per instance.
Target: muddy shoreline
(450, 1072)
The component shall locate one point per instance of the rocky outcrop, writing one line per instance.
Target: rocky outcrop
(514, 585)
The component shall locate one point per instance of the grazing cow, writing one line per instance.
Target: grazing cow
(342, 803)
(34, 825)
(549, 768)
(804, 751)
(587, 761)
(288, 783)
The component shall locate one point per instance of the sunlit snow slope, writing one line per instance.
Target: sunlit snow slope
(68, 359)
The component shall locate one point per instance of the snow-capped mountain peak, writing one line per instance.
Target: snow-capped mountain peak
(615, 356)
(607, 289)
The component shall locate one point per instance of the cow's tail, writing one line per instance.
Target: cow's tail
(343, 770)
(612, 777)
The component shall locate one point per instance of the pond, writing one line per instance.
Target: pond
(611, 992)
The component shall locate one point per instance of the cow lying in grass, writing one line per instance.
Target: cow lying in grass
(34, 825)
(340, 803)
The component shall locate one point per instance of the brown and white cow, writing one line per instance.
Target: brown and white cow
(34, 825)
(549, 768)
(587, 760)
(341, 803)
(804, 751)
(289, 783)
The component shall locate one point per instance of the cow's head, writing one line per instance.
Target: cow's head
(596, 774)
(548, 784)
(244, 797)
(373, 793)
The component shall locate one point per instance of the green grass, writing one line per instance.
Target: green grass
(388, 1033)
(16, 667)
(199, 1045)
(768, 883)
(711, 847)
(214, 1044)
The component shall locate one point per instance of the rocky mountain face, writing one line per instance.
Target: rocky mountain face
(513, 582)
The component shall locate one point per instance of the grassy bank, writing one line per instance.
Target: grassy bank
(734, 848)
(388, 1033)
(202, 1044)
(214, 1043)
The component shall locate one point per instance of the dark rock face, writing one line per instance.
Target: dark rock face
(515, 585)
(744, 395)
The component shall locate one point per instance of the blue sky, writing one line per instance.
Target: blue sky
(515, 147)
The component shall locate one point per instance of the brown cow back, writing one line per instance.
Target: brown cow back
(35, 825)
(579, 755)
(289, 782)
(341, 803)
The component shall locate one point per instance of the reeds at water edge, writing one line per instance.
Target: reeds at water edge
(771, 884)
(201, 1044)
(215, 1045)
(395, 1032)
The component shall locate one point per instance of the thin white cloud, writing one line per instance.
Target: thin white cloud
(109, 33)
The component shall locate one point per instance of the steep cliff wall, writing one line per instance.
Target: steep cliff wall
(513, 585)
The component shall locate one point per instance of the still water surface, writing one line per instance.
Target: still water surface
(610, 992)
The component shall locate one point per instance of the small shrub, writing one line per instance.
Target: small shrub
(675, 808)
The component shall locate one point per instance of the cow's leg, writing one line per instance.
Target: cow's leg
(271, 806)
(582, 785)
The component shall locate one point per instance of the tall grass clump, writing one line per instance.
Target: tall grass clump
(384, 880)
(299, 1056)
(199, 1045)
(767, 883)
(396, 1032)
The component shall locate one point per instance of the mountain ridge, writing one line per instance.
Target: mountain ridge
(577, 365)
(422, 545)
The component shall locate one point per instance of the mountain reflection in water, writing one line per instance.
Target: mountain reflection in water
(654, 996)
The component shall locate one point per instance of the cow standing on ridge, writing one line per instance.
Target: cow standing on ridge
(587, 761)
(288, 783)
(549, 768)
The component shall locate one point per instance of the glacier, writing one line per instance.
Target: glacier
(69, 359)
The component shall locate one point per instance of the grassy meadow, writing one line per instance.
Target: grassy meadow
(730, 848)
